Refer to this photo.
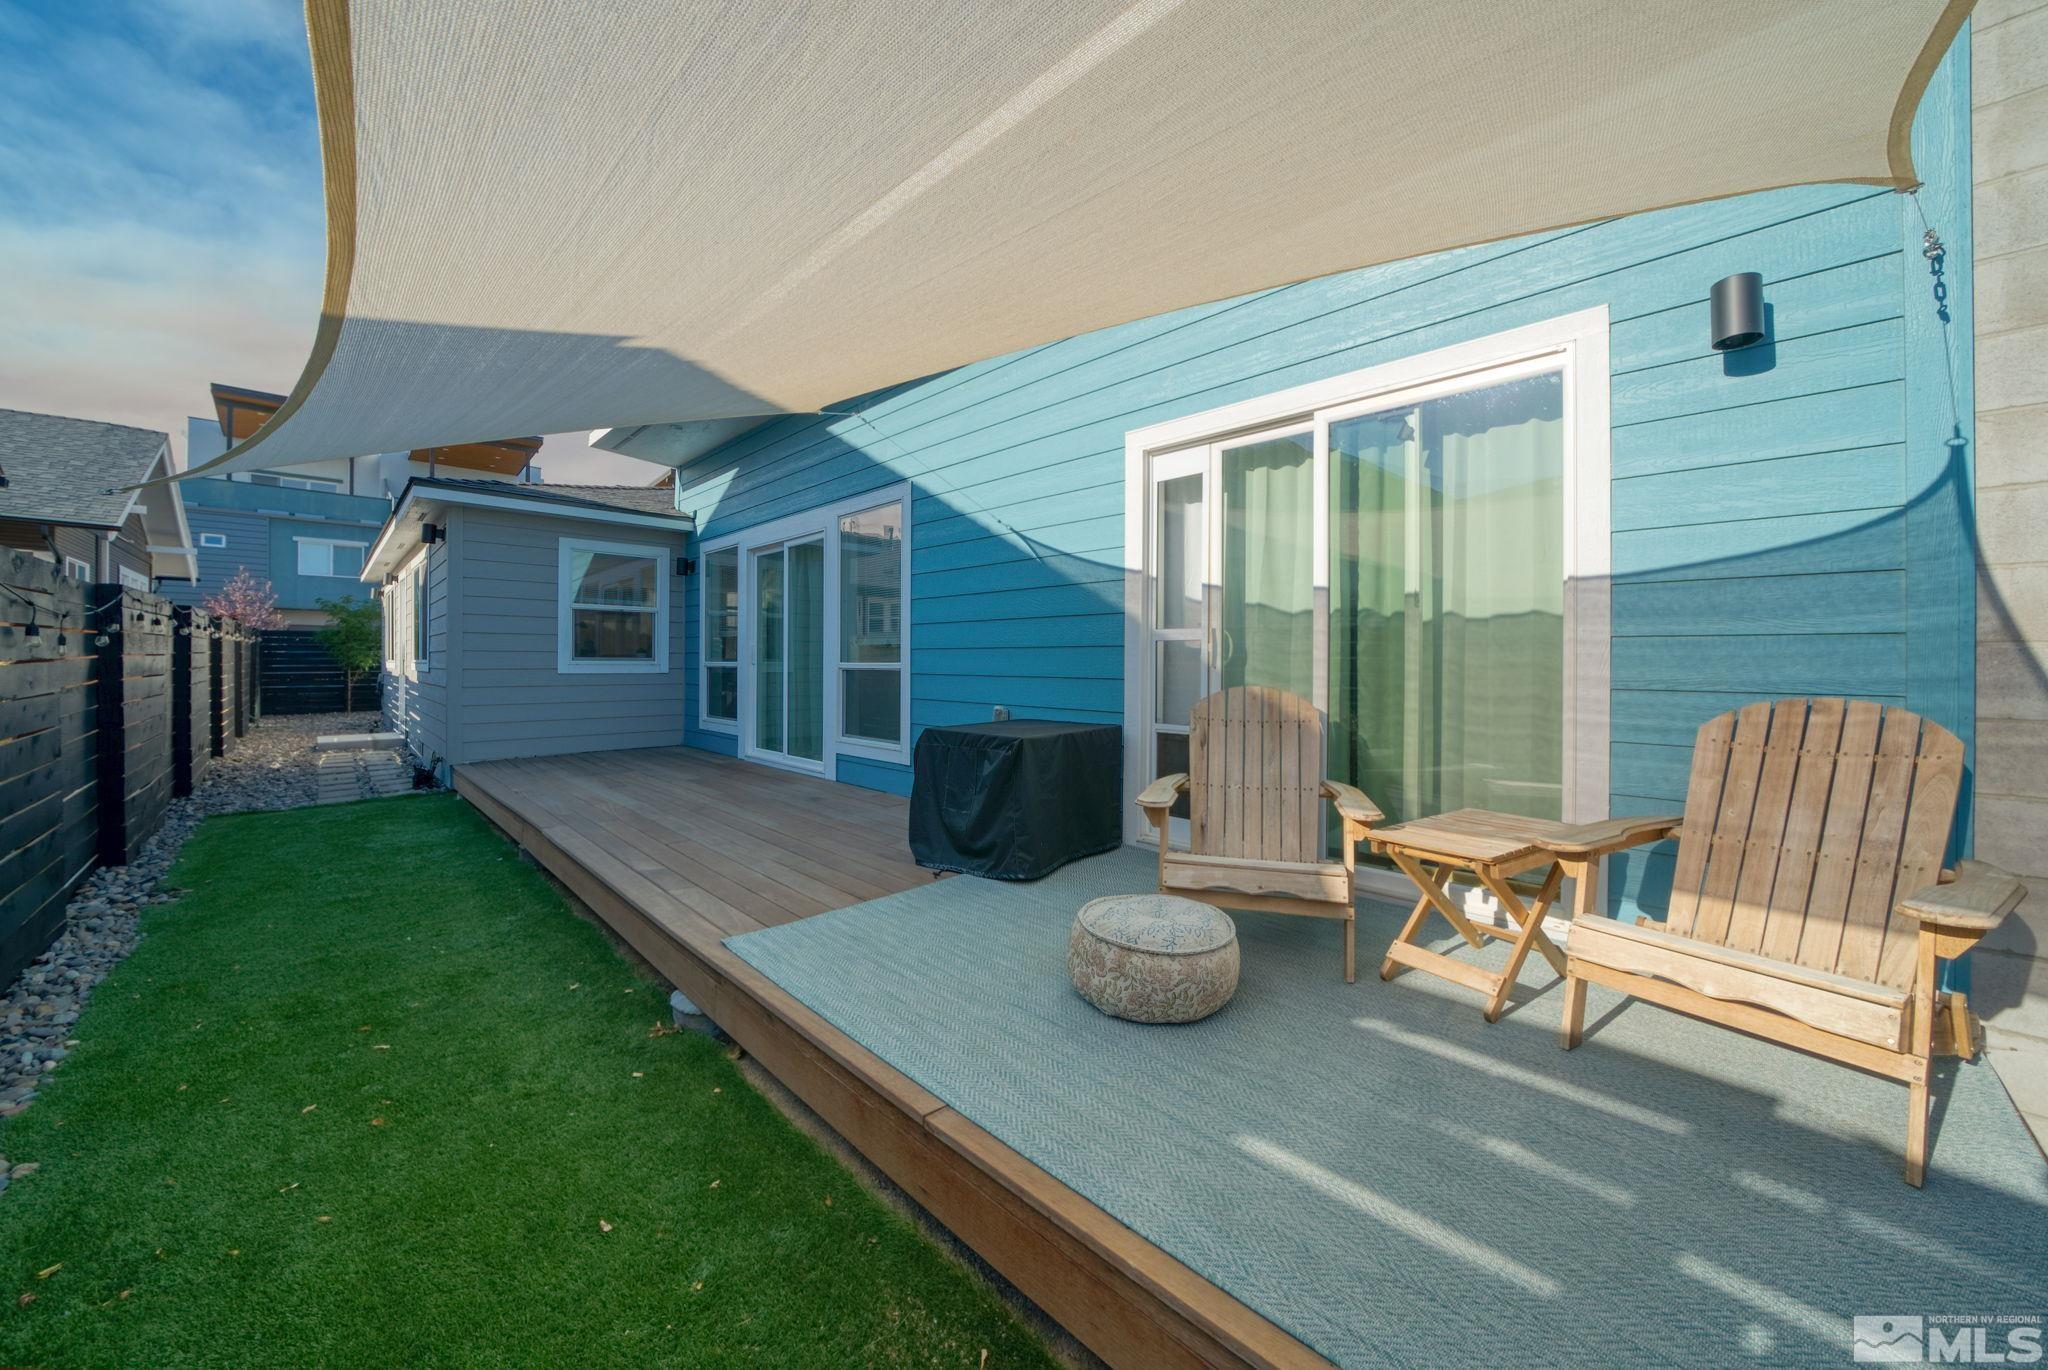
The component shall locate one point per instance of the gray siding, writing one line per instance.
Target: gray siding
(248, 538)
(510, 698)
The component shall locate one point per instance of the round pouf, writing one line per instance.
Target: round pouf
(1153, 958)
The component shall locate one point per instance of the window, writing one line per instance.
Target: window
(294, 482)
(614, 607)
(134, 579)
(419, 616)
(77, 569)
(871, 625)
(213, 539)
(325, 557)
(721, 685)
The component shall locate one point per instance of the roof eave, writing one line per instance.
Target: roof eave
(399, 535)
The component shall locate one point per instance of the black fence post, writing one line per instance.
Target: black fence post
(217, 687)
(110, 684)
(241, 649)
(182, 681)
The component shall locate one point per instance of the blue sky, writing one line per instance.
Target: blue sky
(161, 223)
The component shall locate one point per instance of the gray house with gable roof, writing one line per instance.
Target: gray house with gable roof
(529, 620)
(69, 494)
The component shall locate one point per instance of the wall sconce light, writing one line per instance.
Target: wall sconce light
(686, 566)
(1737, 306)
(430, 532)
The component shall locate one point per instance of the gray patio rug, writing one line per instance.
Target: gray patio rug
(1394, 1181)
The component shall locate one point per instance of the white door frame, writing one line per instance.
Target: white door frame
(749, 720)
(1575, 344)
(811, 525)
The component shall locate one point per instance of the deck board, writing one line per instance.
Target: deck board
(676, 849)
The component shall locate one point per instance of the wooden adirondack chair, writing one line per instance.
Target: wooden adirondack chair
(1255, 791)
(1809, 904)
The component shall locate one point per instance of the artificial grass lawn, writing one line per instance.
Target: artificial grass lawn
(369, 1092)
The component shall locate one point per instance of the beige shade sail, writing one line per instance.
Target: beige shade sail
(551, 215)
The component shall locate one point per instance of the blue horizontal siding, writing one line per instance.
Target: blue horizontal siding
(1761, 500)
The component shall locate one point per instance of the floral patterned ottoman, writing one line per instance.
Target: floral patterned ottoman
(1153, 958)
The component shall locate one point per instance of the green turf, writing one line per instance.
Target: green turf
(369, 1093)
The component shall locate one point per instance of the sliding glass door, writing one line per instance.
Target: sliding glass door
(1446, 623)
(787, 722)
(1400, 562)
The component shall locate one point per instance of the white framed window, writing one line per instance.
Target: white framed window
(803, 651)
(213, 539)
(1421, 548)
(78, 568)
(330, 557)
(134, 579)
(718, 690)
(613, 607)
(871, 567)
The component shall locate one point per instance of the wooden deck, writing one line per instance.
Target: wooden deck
(678, 849)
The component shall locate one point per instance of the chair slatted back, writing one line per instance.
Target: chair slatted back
(1255, 775)
(1806, 821)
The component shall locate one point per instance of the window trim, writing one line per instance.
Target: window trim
(300, 544)
(566, 661)
(730, 727)
(406, 654)
(213, 540)
(821, 521)
(1576, 344)
(78, 568)
(422, 618)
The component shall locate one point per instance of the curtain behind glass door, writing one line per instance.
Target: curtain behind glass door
(1266, 598)
(1447, 602)
(768, 651)
(807, 651)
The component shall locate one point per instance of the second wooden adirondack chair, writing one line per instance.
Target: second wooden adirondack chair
(1255, 790)
(1809, 905)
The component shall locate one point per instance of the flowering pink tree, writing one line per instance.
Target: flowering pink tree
(249, 601)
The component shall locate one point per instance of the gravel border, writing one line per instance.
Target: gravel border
(273, 767)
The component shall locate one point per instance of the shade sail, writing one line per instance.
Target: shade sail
(549, 215)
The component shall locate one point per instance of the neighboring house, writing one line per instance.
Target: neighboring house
(524, 620)
(68, 494)
(306, 529)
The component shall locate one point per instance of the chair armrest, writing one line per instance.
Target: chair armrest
(1351, 803)
(1613, 834)
(1977, 900)
(1161, 793)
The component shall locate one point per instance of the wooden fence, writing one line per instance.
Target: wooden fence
(112, 703)
(300, 676)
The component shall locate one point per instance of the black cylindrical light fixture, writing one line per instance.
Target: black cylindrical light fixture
(1738, 311)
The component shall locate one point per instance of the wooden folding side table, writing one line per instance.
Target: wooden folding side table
(1494, 848)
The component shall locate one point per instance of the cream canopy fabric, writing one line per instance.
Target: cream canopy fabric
(550, 215)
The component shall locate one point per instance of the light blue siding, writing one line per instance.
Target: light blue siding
(1780, 525)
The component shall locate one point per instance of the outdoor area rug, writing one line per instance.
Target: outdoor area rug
(1394, 1181)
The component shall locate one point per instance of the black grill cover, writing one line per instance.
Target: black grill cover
(1016, 800)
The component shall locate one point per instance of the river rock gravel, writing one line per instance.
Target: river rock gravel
(273, 767)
